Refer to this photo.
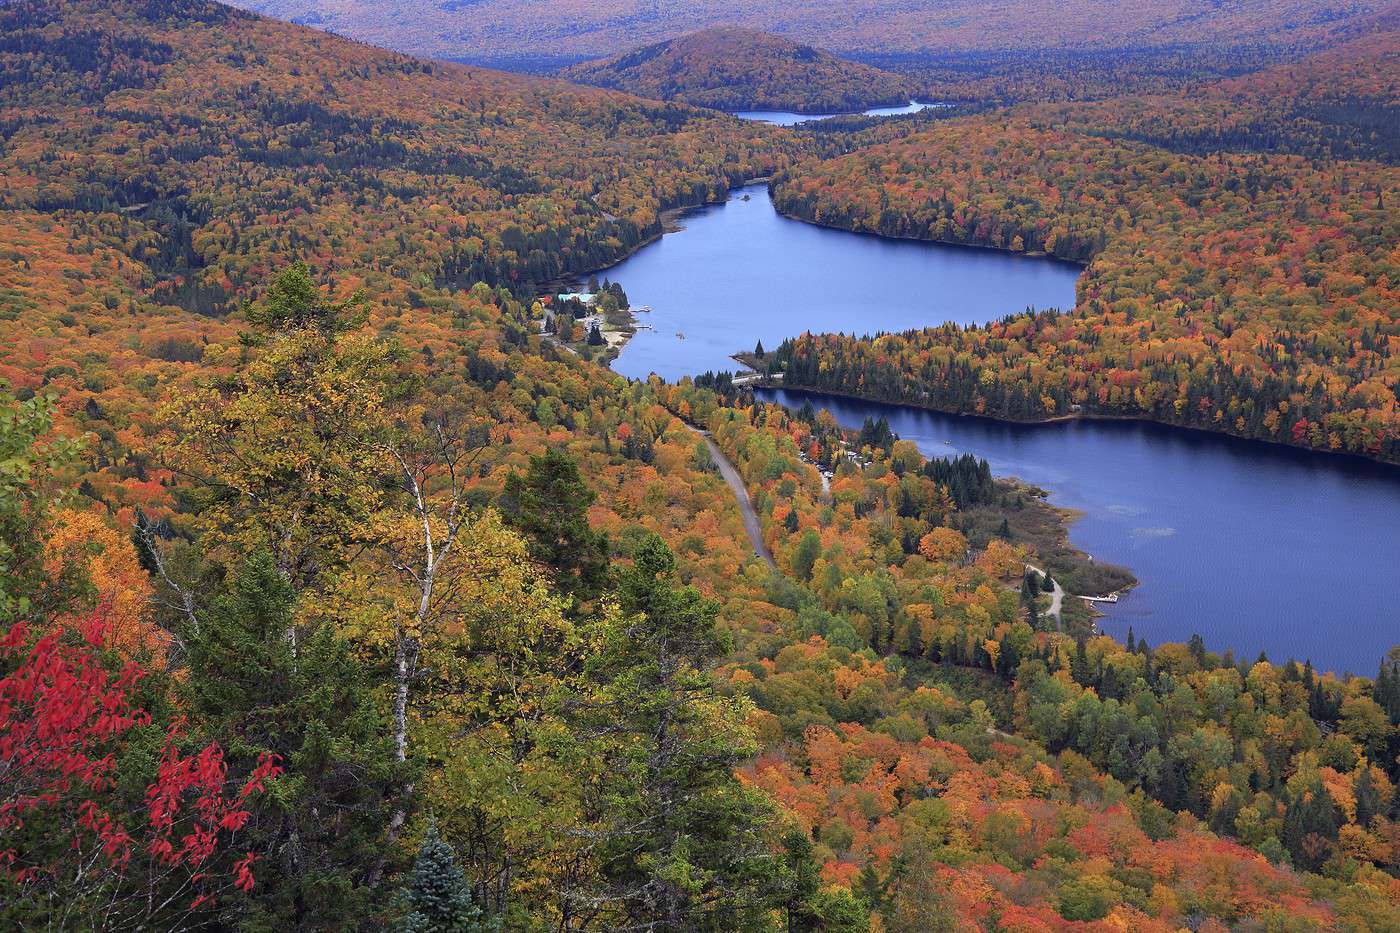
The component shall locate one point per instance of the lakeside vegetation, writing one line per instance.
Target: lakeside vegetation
(334, 594)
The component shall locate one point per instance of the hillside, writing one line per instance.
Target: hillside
(1241, 267)
(537, 30)
(739, 69)
(198, 159)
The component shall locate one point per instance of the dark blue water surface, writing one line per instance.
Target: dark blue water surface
(1255, 547)
(789, 118)
(740, 272)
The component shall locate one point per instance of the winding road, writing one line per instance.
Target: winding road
(736, 483)
(1057, 596)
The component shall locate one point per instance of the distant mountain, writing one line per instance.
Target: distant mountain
(506, 31)
(741, 69)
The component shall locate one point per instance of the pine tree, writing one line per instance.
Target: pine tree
(1079, 667)
(1368, 799)
(680, 837)
(808, 907)
(438, 895)
(550, 505)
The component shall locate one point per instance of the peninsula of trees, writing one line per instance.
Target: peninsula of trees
(1241, 276)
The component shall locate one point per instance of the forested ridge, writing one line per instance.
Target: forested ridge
(162, 160)
(334, 595)
(505, 30)
(1226, 288)
(741, 69)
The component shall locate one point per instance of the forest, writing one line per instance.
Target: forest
(333, 594)
(740, 69)
(1225, 288)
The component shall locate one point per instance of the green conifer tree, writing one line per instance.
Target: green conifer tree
(549, 504)
(314, 705)
(439, 897)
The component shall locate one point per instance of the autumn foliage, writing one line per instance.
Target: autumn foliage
(65, 827)
(740, 69)
(1232, 291)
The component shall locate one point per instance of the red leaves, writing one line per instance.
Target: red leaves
(243, 873)
(62, 715)
(203, 774)
(57, 710)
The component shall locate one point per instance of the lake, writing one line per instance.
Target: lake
(789, 118)
(1255, 547)
(740, 272)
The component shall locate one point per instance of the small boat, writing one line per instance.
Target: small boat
(644, 309)
(680, 336)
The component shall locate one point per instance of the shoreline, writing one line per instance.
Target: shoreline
(668, 221)
(1040, 255)
(765, 382)
(825, 113)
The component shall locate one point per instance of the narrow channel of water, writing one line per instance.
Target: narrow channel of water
(1255, 547)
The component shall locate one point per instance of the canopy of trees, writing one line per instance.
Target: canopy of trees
(332, 595)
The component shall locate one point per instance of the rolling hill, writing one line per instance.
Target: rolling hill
(488, 31)
(740, 69)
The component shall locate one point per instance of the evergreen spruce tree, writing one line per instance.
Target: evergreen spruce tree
(1079, 667)
(810, 908)
(681, 841)
(315, 706)
(439, 897)
(1368, 798)
(549, 504)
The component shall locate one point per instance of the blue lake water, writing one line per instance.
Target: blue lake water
(789, 118)
(1255, 547)
(740, 272)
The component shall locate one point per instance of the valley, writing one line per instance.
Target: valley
(349, 579)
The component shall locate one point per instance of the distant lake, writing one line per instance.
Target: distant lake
(1255, 547)
(789, 118)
